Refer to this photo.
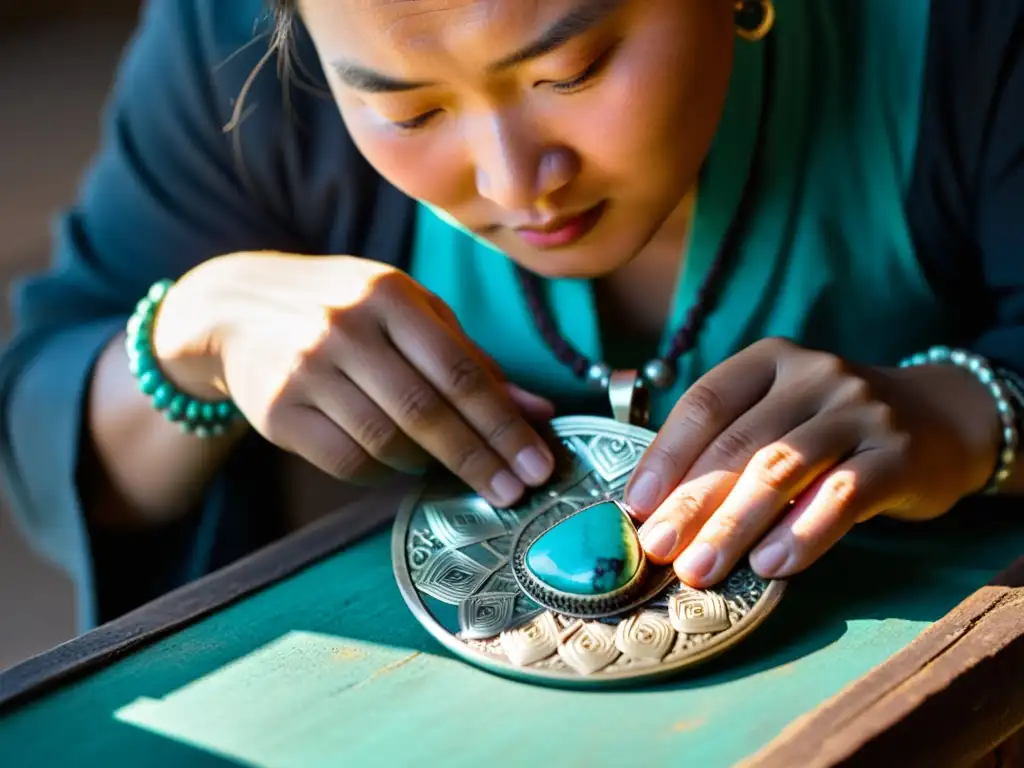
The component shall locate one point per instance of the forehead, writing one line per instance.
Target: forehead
(369, 27)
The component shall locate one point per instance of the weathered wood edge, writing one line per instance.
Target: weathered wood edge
(947, 699)
(197, 600)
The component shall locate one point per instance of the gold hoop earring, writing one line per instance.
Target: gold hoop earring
(754, 19)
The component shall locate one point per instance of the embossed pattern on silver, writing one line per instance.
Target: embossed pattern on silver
(452, 557)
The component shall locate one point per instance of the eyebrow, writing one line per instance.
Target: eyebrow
(575, 23)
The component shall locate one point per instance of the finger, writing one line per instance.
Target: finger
(310, 434)
(774, 476)
(714, 402)
(734, 447)
(533, 406)
(682, 514)
(768, 421)
(452, 365)
(447, 316)
(426, 416)
(856, 490)
(338, 398)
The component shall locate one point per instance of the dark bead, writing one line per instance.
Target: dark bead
(598, 375)
(659, 374)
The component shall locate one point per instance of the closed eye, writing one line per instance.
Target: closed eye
(588, 74)
(417, 122)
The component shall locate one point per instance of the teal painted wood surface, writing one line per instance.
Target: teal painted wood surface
(328, 668)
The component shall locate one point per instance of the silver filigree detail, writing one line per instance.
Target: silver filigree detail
(531, 642)
(422, 545)
(646, 635)
(696, 612)
(612, 458)
(590, 648)
(459, 550)
(502, 582)
(486, 615)
(450, 576)
(460, 522)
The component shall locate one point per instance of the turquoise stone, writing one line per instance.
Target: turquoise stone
(591, 553)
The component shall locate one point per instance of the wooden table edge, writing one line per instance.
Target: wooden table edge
(942, 697)
(192, 602)
(946, 699)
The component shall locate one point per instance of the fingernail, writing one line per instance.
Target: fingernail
(506, 487)
(660, 540)
(534, 465)
(697, 562)
(644, 492)
(768, 560)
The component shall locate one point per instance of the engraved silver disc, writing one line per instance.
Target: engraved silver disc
(453, 552)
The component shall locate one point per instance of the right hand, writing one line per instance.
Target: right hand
(354, 366)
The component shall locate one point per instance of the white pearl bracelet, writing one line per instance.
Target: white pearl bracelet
(1001, 393)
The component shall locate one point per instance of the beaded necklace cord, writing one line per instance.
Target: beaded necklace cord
(661, 372)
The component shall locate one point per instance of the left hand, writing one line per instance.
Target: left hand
(785, 449)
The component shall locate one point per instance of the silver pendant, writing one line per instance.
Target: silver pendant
(482, 580)
(629, 397)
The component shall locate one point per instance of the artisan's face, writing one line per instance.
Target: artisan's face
(588, 139)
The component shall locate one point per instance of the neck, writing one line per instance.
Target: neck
(634, 302)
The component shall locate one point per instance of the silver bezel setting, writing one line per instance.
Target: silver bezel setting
(645, 583)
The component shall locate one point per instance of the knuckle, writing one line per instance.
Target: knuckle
(841, 490)
(347, 462)
(778, 466)
(828, 365)
(682, 506)
(659, 457)
(473, 461)
(775, 344)
(508, 425)
(466, 378)
(899, 442)
(855, 389)
(379, 437)
(420, 407)
(879, 416)
(341, 323)
(728, 527)
(391, 287)
(703, 406)
(309, 357)
(735, 446)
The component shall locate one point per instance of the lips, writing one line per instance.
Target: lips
(562, 232)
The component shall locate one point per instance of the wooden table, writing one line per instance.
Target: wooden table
(903, 647)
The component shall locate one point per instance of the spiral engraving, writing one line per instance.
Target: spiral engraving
(590, 648)
(695, 612)
(531, 642)
(647, 635)
(485, 615)
(613, 459)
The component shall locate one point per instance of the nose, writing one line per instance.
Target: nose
(513, 167)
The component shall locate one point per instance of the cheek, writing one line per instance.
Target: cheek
(656, 112)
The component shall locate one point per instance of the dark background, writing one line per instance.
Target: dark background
(57, 58)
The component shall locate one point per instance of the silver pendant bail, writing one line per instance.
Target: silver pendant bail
(630, 398)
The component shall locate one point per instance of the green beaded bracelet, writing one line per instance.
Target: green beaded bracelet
(198, 417)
